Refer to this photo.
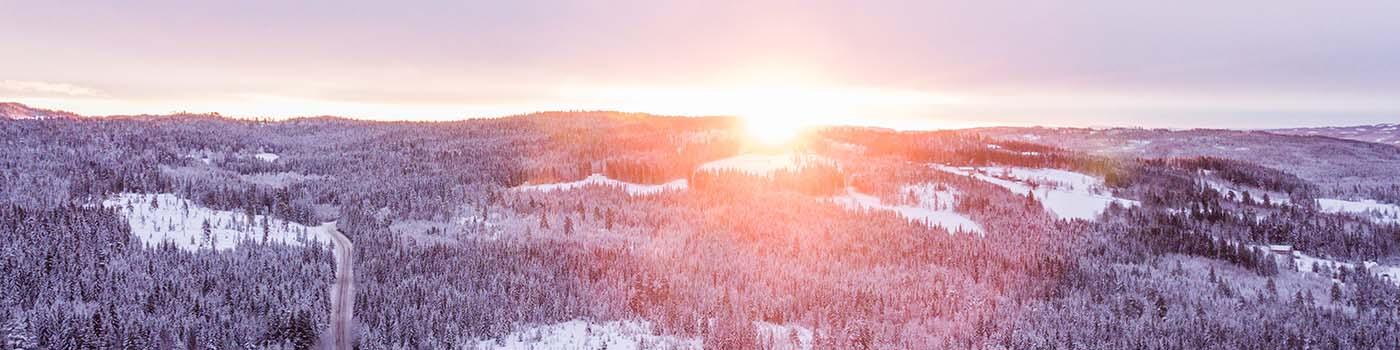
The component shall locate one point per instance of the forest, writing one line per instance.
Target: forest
(452, 250)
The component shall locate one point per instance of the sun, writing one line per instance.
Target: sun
(774, 109)
(771, 130)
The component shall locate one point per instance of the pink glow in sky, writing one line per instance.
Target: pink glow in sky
(915, 64)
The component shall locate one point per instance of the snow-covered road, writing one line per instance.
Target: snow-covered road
(342, 292)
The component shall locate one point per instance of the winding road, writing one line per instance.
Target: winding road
(342, 292)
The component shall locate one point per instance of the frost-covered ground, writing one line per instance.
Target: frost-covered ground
(931, 207)
(628, 335)
(764, 164)
(1305, 263)
(1379, 212)
(156, 218)
(1067, 194)
(267, 157)
(278, 180)
(579, 334)
(783, 337)
(1224, 187)
(1256, 195)
(600, 180)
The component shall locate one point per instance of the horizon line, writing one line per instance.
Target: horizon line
(296, 117)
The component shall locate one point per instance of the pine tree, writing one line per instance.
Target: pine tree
(1271, 288)
(17, 335)
(98, 338)
(208, 233)
(1336, 292)
(608, 217)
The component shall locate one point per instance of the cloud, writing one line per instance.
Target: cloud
(46, 88)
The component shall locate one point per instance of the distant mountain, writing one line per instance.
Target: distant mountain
(1333, 163)
(12, 110)
(1388, 133)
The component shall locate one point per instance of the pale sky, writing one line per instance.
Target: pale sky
(914, 64)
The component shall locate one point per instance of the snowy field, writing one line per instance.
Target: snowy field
(1255, 194)
(579, 334)
(1274, 198)
(932, 207)
(600, 180)
(632, 335)
(1305, 263)
(764, 164)
(1067, 194)
(1380, 212)
(156, 218)
(783, 337)
(267, 157)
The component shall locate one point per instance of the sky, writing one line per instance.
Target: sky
(903, 64)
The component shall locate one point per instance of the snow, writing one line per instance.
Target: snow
(783, 337)
(278, 180)
(933, 207)
(580, 334)
(764, 164)
(172, 222)
(1304, 263)
(847, 146)
(1388, 272)
(267, 157)
(624, 335)
(1274, 198)
(929, 195)
(1067, 194)
(601, 180)
(1380, 212)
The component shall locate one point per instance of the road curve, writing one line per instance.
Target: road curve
(342, 292)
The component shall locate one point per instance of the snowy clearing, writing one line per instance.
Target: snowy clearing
(267, 157)
(278, 180)
(783, 337)
(764, 164)
(1256, 195)
(165, 217)
(1067, 194)
(600, 180)
(1380, 212)
(579, 334)
(933, 208)
(1304, 263)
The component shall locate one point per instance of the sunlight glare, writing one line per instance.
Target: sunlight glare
(773, 111)
(771, 131)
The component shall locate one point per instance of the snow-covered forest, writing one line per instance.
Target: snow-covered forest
(614, 230)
